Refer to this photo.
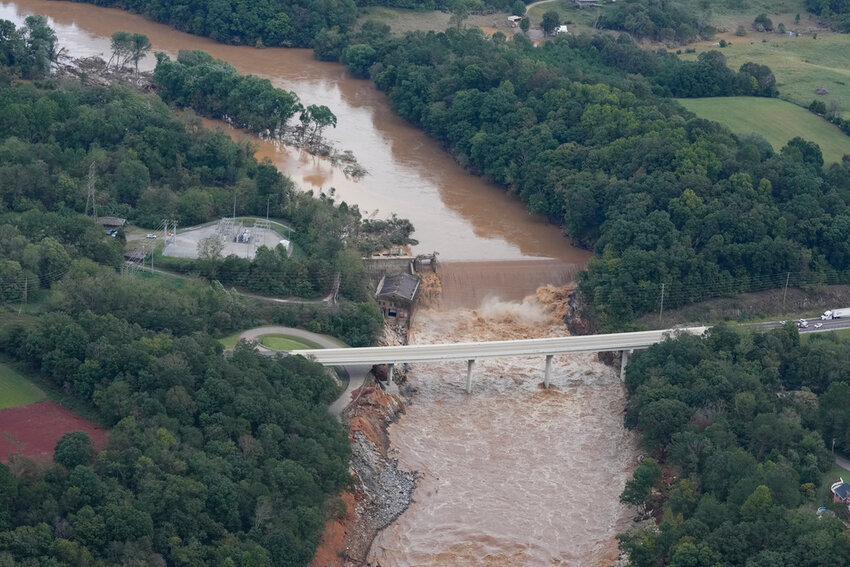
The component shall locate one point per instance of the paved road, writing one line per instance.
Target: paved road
(356, 373)
(492, 349)
(831, 325)
(295, 300)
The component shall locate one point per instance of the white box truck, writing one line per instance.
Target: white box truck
(835, 314)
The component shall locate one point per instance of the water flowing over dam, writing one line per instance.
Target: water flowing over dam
(512, 474)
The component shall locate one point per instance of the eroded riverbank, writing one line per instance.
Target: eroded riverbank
(512, 474)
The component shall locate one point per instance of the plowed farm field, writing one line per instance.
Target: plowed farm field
(34, 429)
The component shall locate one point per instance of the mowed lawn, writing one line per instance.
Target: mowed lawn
(777, 120)
(16, 390)
(287, 342)
(800, 64)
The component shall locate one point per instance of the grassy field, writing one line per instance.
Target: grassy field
(287, 342)
(800, 64)
(403, 20)
(777, 120)
(16, 390)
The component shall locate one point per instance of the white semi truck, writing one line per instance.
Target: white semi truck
(835, 314)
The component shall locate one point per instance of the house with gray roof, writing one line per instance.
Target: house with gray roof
(841, 492)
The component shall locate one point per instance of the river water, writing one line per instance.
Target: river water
(512, 474)
(454, 213)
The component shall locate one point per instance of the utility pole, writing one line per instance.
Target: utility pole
(91, 198)
(785, 293)
(661, 311)
(26, 282)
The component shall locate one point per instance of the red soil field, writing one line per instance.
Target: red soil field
(33, 430)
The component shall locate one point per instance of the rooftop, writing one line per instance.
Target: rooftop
(401, 285)
(112, 221)
(841, 489)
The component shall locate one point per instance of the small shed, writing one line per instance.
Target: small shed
(111, 222)
(396, 294)
(514, 20)
(136, 255)
(562, 29)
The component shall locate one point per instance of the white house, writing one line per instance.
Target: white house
(561, 29)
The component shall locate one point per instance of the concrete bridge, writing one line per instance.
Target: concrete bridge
(626, 343)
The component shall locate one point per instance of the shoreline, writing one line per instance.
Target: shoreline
(381, 492)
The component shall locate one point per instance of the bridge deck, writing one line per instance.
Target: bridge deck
(491, 349)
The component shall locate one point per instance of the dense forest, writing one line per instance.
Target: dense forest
(213, 88)
(659, 20)
(258, 23)
(148, 165)
(736, 423)
(585, 131)
(211, 459)
(836, 13)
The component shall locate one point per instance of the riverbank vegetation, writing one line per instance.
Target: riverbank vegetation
(583, 129)
(210, 459)
(737, 421)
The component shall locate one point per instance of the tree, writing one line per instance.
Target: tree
(358, 58)
(518, 8)
(638, 490)
(461, 10)
(551, 20)
(762, 23)
(140, 45)
(209, 255)
(525, 25)
(314, 119)
(75, 448)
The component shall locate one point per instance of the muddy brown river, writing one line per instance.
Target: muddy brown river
(512, 474)
(456, 214)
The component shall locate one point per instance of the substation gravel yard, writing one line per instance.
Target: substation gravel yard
(185, 244)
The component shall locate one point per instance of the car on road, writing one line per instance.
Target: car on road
(818, 325)
(802, 324)
(150, 235)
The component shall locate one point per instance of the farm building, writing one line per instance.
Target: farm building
(396, 294)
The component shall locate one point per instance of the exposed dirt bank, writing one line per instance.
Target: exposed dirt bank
(381, 491)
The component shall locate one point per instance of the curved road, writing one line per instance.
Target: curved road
(356, 373)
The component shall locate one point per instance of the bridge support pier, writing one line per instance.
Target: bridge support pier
(390, 368)
(625, 356)
(547, 374)
(470, 364)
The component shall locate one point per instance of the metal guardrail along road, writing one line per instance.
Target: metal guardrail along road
(492, 349)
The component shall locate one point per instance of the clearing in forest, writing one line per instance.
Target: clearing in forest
(34, 429)
(16, 390)
(777, 120)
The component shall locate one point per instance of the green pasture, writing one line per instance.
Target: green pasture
(16, 390)
(800, 64)
(287, 342)
(777, 120)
